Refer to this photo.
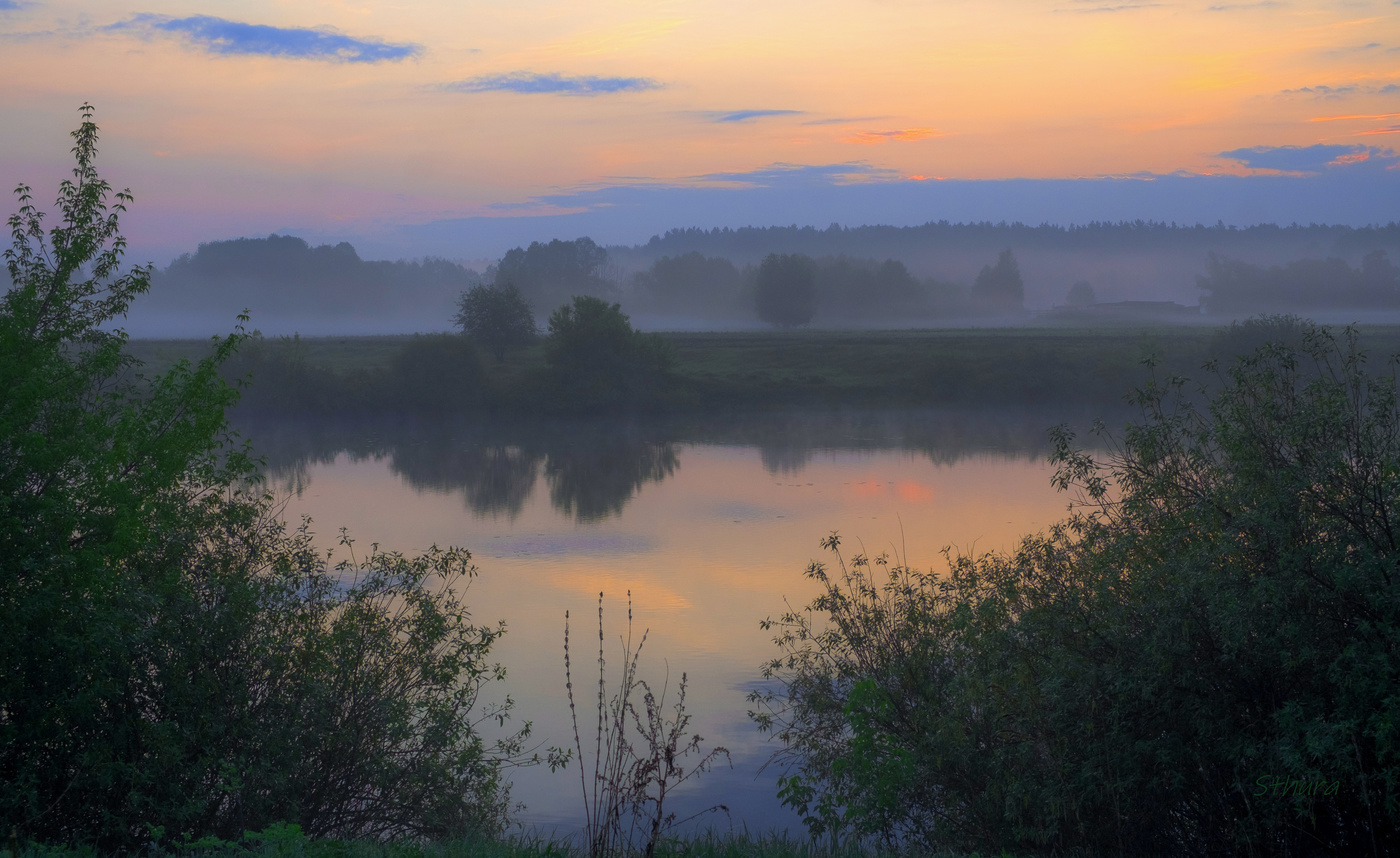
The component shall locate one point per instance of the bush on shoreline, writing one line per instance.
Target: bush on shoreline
(1218, 618)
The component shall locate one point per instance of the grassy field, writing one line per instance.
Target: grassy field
(805, 369)
(343, 355)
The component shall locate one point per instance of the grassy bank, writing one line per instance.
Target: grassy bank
(734, 371)
(282, 844)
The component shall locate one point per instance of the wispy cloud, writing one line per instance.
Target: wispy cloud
(221, 36)
(1241, 7)
(783, 175)
(1337, 93)
(13, 5)
(844, 120)
(1394, 129)
(1103, 8)
(1352, 116)
(746, 115)
(532, 83)
(1302, 159)
(872, 138)
(1323, 91)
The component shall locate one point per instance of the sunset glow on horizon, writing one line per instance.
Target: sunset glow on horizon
(360, 118)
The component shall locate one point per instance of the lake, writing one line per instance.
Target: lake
(709, 524)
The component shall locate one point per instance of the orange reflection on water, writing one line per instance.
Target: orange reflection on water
(707, 552)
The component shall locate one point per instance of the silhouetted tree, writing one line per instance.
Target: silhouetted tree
(785, 294)
(550, 274)
(498, 317)
(1080, 294)
(598, 360)
(1233, 286)
(998, 287)
(862, 289)
(690, 284)
(285, 279)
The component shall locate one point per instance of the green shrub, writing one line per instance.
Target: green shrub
(1200, 660)
(174, 662)
(275, 376)
(598, 362)
(436, 373)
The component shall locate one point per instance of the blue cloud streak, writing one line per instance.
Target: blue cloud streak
(1357, 194)
(746, 115)
(221, 36)
(531, 83)
(1300, 159)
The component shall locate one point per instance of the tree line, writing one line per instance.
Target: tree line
(750, 244)
(783, 290)
(328, 288)
(1231, 286)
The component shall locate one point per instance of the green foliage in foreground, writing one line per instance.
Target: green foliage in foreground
(281, 840)
(174, 662)
(1201, 660)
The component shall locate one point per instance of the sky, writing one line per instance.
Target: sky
(461, 129)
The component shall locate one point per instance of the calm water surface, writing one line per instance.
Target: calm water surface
(709, 525)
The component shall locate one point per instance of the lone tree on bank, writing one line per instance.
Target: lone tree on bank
(786, 293)
(599, 360)
(998, 287)
(497, 317)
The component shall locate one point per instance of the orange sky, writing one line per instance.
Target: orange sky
(380, 113)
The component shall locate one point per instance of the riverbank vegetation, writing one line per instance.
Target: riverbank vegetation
(176, 662)
(289, 841)
(1202, 659)
(733, 372)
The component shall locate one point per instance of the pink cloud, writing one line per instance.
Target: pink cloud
(871, 138)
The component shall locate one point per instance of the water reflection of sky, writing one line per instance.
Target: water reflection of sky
(709, 538)
(526, 545)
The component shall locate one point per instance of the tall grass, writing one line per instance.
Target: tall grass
(640, 755)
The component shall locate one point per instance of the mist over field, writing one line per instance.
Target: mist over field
(874, 277)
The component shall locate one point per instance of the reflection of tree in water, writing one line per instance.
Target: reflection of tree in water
(593, 471)
(494, 479)
(595, 467)
(594, 480)
(785, 459)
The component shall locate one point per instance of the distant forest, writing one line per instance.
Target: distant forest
(288, 286)
(870, 276)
